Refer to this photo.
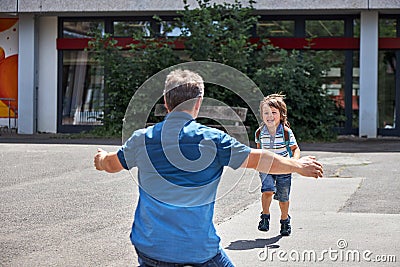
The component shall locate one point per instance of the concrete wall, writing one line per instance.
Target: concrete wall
(311, 5)
(37, 84)
(384, 4)
(171, 5)
(99, 5)
(9, 6)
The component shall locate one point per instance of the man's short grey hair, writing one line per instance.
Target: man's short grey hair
(182, 86)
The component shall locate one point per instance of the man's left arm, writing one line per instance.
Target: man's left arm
(268, 162)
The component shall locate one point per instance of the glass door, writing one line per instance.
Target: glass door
(387, 90)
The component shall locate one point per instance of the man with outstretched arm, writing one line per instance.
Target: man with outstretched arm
(180, 163)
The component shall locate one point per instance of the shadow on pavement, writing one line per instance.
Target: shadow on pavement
(252, 244)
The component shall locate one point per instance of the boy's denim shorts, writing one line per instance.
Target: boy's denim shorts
(277, 183)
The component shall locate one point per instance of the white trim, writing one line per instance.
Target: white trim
(26, 75)
(369, 74)
(47, 75)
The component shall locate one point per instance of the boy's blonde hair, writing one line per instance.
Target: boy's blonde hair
(276, 101)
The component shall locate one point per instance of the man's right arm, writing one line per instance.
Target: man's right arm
(107, 161)
(268, 162)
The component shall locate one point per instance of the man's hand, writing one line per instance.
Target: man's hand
(310, 167)
(99, 158)
(107, 161)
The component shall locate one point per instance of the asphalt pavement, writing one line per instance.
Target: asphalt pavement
(56, 210)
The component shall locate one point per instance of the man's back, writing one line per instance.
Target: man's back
(179, 165)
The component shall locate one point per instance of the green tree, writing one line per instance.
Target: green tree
(298, 75)
(220, 33)
(125, 70)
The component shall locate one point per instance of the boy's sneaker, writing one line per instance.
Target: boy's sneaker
(263, 225)
(286, 228)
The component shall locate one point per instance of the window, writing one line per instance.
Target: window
(82, 89)
(275, 28)
(387, 27)
(356, 88)
(386, 89)
(324, 28)
(81, 83)
(170, 29)
(132, 28)
(334, 82)
(356, 28)
(81, 29)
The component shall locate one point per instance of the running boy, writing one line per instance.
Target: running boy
(276, 136)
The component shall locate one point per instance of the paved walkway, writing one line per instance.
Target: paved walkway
(321, 234)
(350, 217)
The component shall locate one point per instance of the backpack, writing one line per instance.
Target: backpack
(286, 138)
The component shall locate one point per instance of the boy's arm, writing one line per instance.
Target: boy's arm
(294, 147)
(107, 161)
(268, 162)
(296, 152)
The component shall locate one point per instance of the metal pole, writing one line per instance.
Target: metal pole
(9, 114)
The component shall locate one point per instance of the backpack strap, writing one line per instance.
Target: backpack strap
(257, 137)
(287, 140)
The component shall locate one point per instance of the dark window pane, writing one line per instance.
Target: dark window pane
(324, 28)
(334, 82)
(132, 28)
(82, 89)
(387, 27)
(275, 28)
(386, 89)
(82, 29)
(170, 29)
(356, 28)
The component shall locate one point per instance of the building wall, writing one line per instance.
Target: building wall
(384, 4)
(172, 5)
(9, 6)
(38, 73)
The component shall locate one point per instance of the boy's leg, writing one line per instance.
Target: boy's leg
(268, 190)
(283, 184)
(286, 228)
(284, 206)
(266, 200)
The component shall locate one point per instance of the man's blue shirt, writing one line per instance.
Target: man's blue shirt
(179, 165)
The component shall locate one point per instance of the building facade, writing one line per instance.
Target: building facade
(49, 82)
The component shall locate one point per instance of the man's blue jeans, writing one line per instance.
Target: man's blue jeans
(219, 260)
